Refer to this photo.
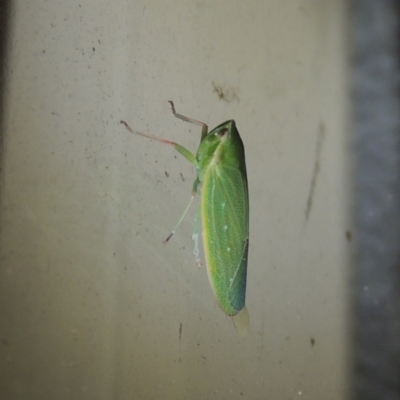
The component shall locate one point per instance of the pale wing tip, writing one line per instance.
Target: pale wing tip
(241, 321)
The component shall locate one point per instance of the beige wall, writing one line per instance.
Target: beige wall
(92, 304)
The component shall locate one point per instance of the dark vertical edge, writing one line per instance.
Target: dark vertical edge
(5, 15)
(376, 306)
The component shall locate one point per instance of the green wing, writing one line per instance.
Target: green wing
(225, 220)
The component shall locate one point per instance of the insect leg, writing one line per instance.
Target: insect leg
(180, 149)
(194, 191)
(148, 135)
(204, 127)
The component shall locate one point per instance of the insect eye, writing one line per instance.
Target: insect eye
(222, 132)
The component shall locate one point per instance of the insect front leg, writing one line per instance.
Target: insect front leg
(204, 127)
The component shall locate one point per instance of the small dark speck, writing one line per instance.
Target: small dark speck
(94, 49)
(183, 179)
(166, 174)
(349, 236)
(44, 51)
(312, 341)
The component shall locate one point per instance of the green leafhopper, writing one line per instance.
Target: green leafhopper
(223, 212)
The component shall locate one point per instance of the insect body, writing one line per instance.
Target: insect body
(224, 212)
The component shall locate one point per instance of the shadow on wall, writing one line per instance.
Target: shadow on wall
(5, 12)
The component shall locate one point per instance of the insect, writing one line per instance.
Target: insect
(223, 212)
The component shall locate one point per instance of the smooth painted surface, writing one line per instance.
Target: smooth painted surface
(92, 304)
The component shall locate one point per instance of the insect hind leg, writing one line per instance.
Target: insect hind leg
(180, 219)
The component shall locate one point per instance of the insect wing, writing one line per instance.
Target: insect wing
(225, 221)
